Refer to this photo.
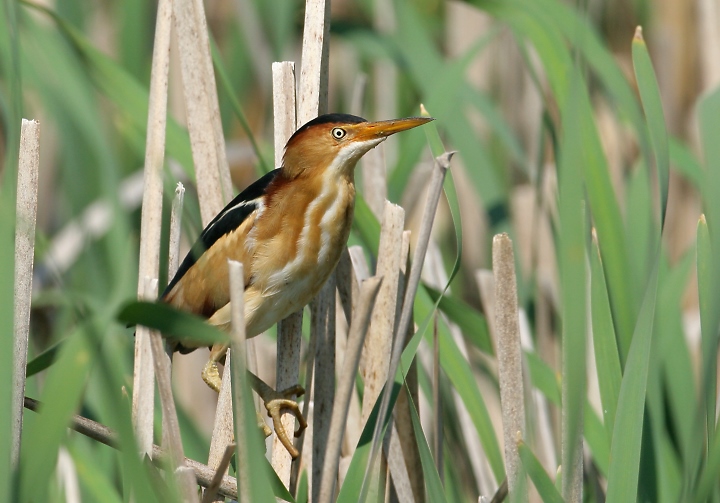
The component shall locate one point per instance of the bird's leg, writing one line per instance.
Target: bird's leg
(276, 402)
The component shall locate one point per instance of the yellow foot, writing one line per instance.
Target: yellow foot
(277, 403)
(211, 375)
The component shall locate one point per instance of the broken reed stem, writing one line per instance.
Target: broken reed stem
(358, 330)
(173, 263)
(312, 96)
(442, 163)
(175, 230)
(378, 343)
(151, 223)
(105, 435)
(25, 218)
(289, 335)
(509, 355)
(284, 123)
(407, 398)
(237, 370)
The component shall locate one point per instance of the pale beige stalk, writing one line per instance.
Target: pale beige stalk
(378, 343)
(403, 420)
(358, 330)
(442, 164)
(222, 435)
(186, 479)
(151, 223)
(25, 218)
(211, 493)
(175, 230)
(509, 356)
(203, 116)
(237, 371)
(290, 329)
(312, 101)
(323, 327)
(312, 93)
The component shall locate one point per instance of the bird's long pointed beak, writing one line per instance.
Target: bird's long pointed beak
(383, 129)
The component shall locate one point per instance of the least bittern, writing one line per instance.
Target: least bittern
(288, 230)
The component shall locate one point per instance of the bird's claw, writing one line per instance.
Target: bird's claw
(278, 402)
(211, 375)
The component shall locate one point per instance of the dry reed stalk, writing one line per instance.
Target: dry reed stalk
(171, 426)
(708, 16)
(442, 163)
(399, 468)
(358, 331)
(175, 230)
(509, 356)
(105, 435)
(486, 288)
(237, 370)
(323, 326)
(151, 223)
(173, 263)
(222, 435)
(403, 421)
(290, 329)
(382, 325)
(25, 218)
(312, 101)
(378, 343)
(211, 492)
(312, 93)
(203, 116)
(348, 285)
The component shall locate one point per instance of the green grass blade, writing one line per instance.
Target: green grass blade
(172, 322)
(7, 270)
(45, 431)
(652, 106)
(544, 484)
(432, 478)
(709, 343)
(470, 321)
(685, 163)
(43, 360)
(628, 431)
(607, 357)
(92, 478)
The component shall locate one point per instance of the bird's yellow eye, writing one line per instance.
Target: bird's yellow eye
(338, 133)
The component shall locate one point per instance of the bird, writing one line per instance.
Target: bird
(288, 230)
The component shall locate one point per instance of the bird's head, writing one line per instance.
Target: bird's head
(335, 142)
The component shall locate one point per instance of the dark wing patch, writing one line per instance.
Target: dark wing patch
(227, 220)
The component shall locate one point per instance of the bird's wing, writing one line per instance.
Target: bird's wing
(227, 221)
